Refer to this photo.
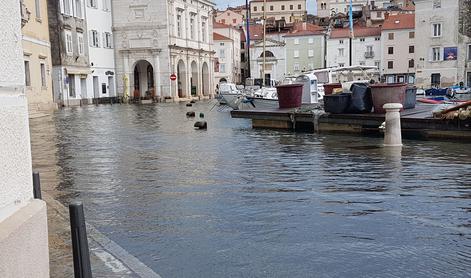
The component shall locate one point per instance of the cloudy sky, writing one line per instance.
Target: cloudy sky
(222, 4)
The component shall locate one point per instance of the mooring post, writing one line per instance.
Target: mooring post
(36, 186)
(392, 132)
(82, 267)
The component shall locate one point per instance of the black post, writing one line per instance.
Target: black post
(247, 20)
(350, 49)
(82, 267)
(36, 186)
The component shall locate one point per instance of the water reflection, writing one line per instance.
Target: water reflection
(233, 201)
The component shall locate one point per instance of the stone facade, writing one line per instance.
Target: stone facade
(229, 17)
(37, 58)
(275, 60)
(70, 62)
(157, 39)
(289, 10)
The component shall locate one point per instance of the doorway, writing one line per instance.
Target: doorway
(468, 83)
(111, 86)
(83, 88)
(96, 89)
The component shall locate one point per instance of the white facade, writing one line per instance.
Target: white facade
(437, 31)
(365, 51)
(397, 56)
(275, 60)
(289, 10)
(101, 82)
(155, 39)
(231, 60)
(223, 47)
(325, 8)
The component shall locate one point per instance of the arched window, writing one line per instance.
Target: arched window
(267, 54)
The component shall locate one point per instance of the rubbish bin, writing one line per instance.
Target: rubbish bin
(328, 88)
(387, 93)
(338, 103)
(411, 97)
(361, 99)
(289, 95)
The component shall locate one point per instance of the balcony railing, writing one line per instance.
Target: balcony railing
(369, 54)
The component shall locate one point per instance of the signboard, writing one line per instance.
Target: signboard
(173, 77)
(450, 53)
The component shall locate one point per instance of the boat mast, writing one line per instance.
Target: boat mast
(264, 45)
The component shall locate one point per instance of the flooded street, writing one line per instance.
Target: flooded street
(233, 201)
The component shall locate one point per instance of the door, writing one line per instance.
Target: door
(400, 79)
(468, 83)
(83, 88)
(96, 88)
(71, 80)
(111, 86)
(435, 79)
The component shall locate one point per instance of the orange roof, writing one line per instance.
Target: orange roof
(220, 25)
(399, 21)
(219, 37)
(357, 32)
(305, 29)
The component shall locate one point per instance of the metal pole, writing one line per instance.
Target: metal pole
(82, 267)
(36, 186)
(350, 50)
(264, 45)
(247, 20)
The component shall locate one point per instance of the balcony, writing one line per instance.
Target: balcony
(369, 54)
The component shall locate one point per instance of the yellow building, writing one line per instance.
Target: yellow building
(37, 56)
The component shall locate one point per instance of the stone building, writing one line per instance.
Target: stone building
(70, 63)
(101, 81)
(37, 57)
(442, 56)
(288, 10)
(155, 40)
(229, 17)
(227, 46)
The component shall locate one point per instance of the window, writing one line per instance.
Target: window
(222, 53)
(80, 44)
(377, 38)
(369, 48)
(362, 63)
(67, 7)
(179, 25)
(94, 38)
(299, 6)
(107, 40)
(469, 52)
(311, 41)
(377, 64)
(296, 54)
(92, 3)
(242, 57)
(437, 4)
(379, 14)
(282, 7)
(436, 30)
(203, 31)
(271, 8)
(78, 8)
(38, 8)
(391, 36)
(71, 82)
(341, 52)
(411, 35)
(223, 21)
(435, 79)
(296, 41)
(341, 65)
(291, 7)
(296, 67)
(263, 8)
(362, 39)
(106, 5)
(411, 49)
(310, 66)
(411, 63)
(340, 41)
(221, 44)
(436, 54)
(390, 64)
(43, 74)
(27, 74)
(68, 43)
(222, 67)
(192, 27)
(390, 50)
(255, 8)
(310, 53)
(234, 21)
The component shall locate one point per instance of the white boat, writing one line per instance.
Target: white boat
(264, 98)
(229, 95)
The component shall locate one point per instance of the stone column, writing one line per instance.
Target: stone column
(199, 82)
(23, 220)
(392, 133)
(157, 74)
(188, 76)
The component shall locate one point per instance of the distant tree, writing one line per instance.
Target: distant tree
(465, 17)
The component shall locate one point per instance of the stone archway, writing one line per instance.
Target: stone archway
(181, 79)
(143, 80)
(194, 79)
(205, 79)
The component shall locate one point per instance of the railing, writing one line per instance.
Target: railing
(369, 54)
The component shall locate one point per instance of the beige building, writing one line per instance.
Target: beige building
(37, 57)
(398, 49)
(229, 17)
(289, 10)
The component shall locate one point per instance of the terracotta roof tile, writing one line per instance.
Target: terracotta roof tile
(399, 21)
(219, 37)
(220, 25)
(358, 32)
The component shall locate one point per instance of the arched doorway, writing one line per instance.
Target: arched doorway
(205, 79)
(194, 79)
(181, 79)
(143, 80)
(223, 80)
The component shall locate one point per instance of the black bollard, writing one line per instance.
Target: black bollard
(82, 267)
(201, 115)
(192, 101)
(189, 105)
(190, 114)
(201, 125)
(36, 186)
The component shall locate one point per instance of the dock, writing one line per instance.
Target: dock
(416, 123)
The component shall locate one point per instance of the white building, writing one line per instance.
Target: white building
(442, 55)
(229, 17)
(325, 8)
(157, 39)
(228, 53)
(366, 47)
(398, 49)
(101, 81)
(288, 10)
